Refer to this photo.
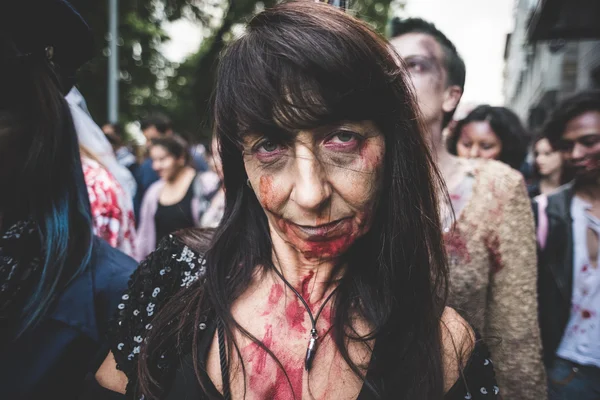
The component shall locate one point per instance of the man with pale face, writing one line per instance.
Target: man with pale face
(437, 72)
(569, 264)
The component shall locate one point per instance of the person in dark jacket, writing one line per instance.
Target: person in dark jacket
(569, 261)
(58, 283)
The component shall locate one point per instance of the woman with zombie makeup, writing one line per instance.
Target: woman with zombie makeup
(492, 133)
(327, 276)
(58, 283)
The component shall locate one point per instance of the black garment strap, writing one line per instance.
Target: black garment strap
(223, 358)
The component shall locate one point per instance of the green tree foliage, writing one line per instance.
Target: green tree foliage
(144, 71)
(151, 83)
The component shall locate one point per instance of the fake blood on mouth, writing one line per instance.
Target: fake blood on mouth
(331, 248)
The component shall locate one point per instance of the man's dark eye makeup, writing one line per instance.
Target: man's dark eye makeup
(424, 63)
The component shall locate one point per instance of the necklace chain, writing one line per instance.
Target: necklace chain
(314, 336)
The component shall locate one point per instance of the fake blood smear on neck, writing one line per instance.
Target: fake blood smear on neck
(305, 286)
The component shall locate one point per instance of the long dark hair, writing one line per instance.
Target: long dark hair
(49, 187)
(505, 124)
(301, 65)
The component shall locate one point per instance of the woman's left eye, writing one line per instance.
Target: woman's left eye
(268, 146)
(343, 138)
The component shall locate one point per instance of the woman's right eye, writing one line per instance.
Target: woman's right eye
(268, 146)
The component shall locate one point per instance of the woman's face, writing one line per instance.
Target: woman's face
(319, 188)
(478, 140)
(547, 160)
(164, 163)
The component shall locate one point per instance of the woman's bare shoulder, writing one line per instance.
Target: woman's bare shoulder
(458, 342)
(109, 377)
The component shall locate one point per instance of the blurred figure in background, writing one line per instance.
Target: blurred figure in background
(59, 285)
(491, 242)
(112, 209)
(178, 200)
(92, 138)
(116, 137)
(214, 213)
(492, 133)
(547, 168)
(569, 264)
(158, 126)
(153, 127)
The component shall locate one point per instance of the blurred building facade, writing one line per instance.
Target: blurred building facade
(553, 51)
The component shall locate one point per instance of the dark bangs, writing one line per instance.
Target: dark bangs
(281, 76)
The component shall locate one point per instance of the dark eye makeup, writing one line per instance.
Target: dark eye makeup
(420, 64)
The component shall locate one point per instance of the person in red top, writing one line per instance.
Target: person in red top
(112, 209)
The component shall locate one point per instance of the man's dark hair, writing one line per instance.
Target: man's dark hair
(161, 122)
(570, 108)
(455, 66)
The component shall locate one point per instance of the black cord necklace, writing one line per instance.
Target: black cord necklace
(314, 336)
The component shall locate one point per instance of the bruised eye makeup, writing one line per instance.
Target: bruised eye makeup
(420, 64)
(345, 136)
(268, 150)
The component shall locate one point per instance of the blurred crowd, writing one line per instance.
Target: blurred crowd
(177, 185)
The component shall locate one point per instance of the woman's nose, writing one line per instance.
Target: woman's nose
(312, 190)
(474, 151)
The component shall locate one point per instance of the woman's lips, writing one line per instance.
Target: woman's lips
(322, 232)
